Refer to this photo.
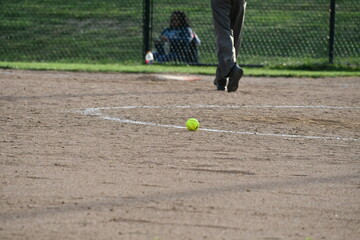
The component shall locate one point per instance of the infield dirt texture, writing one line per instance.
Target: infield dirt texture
(107, 156)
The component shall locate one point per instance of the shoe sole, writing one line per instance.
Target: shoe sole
(220, 88)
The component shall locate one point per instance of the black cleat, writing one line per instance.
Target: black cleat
(234, 78)
(220, 84)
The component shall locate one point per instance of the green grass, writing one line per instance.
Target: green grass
(336, 71)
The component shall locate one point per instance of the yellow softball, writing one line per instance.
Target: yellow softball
(192, 124)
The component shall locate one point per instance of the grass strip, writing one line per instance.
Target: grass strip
(206, 70)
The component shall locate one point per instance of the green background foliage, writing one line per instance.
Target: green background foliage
(276, 32)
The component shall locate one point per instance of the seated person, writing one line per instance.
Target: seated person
(178, 42)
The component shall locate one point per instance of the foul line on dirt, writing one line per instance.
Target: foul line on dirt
(230, 106)
(97, 112)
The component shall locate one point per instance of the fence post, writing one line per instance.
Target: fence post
(332, 32)
(146, 26)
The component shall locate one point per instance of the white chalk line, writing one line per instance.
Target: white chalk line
(97, 112)
(229, 106)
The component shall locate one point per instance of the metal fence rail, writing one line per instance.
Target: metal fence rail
(120, 31)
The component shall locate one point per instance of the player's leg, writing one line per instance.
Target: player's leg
(226, 52)
(237, 17)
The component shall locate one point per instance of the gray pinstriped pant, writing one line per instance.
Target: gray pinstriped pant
(228, 18)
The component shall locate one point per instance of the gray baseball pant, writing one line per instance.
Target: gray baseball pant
(228, 18)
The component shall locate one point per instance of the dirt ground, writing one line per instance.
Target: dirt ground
(106, 156)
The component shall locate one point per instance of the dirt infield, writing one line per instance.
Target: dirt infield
(106, 156)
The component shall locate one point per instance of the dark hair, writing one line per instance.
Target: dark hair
(183, 20)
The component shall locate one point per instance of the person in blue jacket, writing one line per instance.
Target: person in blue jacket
(178, 42)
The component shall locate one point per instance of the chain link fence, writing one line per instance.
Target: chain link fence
(107, 31)
(276, 32)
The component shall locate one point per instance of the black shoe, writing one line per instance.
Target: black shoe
(234, 78)
(220, 84)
